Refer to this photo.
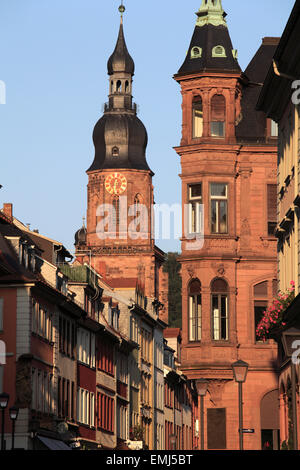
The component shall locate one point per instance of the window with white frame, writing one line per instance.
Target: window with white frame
(219, 304)
(86, 407)
(195, 208)
(122, 421)
(41, 321)
(86, 348)
(219, 207)
(195, 311)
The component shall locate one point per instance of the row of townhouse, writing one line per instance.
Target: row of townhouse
(85, 362)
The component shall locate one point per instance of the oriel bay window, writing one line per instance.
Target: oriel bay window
(218, 113)
(197, 117)
(219, 305)
(219, 207)
(195, 310)
(195, 208)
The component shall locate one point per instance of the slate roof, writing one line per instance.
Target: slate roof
(252, 127)
(207, 37)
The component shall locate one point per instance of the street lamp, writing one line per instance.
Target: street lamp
(202, 386)
(240, 369)
(289, 337)
(4, 397)
(13, 413)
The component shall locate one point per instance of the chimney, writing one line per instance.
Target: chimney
(8, 210)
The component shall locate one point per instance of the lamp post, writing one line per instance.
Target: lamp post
(289, 337)
(13, 413)
(4, 397)
(202, 386)
(240, 369)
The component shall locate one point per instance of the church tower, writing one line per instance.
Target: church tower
(228, 163)
(118, 234)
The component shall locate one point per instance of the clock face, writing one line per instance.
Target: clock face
(115, 183)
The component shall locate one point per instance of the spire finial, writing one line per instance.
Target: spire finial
(122, 10)
(211, 12)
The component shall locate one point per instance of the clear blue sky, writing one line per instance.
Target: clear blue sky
(53, 56)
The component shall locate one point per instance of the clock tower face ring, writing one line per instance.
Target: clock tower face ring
(115, 183)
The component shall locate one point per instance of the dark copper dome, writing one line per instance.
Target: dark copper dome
(120, 60)
(120, 142)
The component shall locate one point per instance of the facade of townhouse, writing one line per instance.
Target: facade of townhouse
(67, 365)
(180, 403)
(228, 160)
(279, 99)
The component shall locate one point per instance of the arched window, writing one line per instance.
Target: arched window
(194, 292)
(196, 52)
(218, 51)
(218, 113)
(119, 86)
(126, 86)
(260, 294)
(219, 305)
(115, 151)
(197, 117)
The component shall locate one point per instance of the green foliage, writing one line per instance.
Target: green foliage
(172, 266)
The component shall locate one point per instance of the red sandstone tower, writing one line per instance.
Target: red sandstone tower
(118, 236)
(228, 159)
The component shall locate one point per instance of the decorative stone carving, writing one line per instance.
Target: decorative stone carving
(216, 388)
(246, 227)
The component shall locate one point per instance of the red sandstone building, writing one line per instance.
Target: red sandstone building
(228, 161)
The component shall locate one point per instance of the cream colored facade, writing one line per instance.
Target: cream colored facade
(288, 191)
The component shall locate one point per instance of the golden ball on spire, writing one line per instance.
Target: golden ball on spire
(122, 9)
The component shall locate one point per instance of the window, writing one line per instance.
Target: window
(196, 52)
(218, 112)
(122, 419)
(197, 118)
(219, 200)
(260, 303)
(86, 347)
(218, 51)
(41, 321)
(105, 357)
(86, 407)
(195, 208)
(274, 129)
(219, 304)
(195, 310)
(115, 151)
(105, 412)
(272, 208)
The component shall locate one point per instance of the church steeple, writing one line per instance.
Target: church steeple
(120, 138)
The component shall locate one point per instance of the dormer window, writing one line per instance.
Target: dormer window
(218, 51)
(196, 52)
(218, 113)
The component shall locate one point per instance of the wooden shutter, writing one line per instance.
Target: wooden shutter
(218, 108)
(272, 202)
(216, 428)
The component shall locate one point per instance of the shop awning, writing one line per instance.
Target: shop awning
(53, 444)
